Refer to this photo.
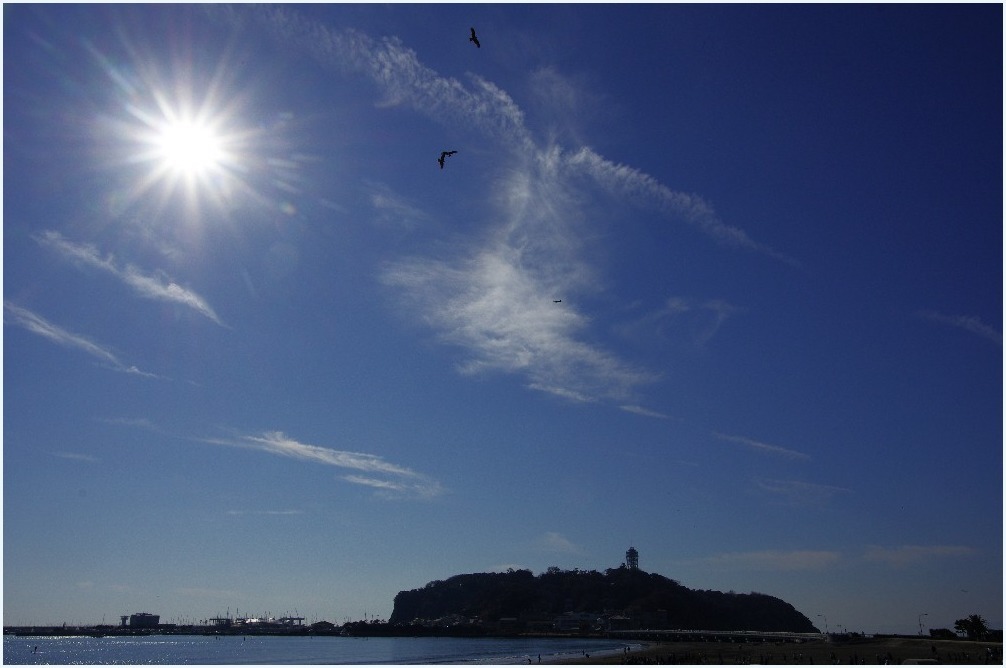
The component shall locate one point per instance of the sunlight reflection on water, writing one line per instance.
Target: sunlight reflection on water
(188, 650)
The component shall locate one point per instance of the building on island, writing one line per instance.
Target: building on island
(632, 559)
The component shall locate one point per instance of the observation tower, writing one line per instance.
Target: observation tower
(632, 559)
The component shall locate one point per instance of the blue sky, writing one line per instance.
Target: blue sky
(719, 282)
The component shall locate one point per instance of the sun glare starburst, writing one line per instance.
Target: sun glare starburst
(190, 147)
(195, 152)
(180, 143)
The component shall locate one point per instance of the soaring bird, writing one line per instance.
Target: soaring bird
(444, 154)
(474, 39)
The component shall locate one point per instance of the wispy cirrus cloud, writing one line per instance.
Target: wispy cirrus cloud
(774, 560)
(641, 188)
(645, 412)
(391, 208)
(799, 492)
(493, 298)
(505, 320)
(482, 105)
(147, 286)
(38, 325)
(74, 456)
(553, 541)
(700, 319)
(391, 479)
(141, 423)
(401, 77)
(383, 485)
(904, 555)
(764, 448)
(968, 323)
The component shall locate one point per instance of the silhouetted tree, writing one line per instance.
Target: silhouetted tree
(973, 626)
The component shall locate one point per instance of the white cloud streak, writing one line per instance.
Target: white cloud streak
(774, 560)
(799, 492)
(554, 541)
(392, 209)
(141, 423)
(146, 286)
(484, 106)
(641, 188)
(494, 299)
(762, 447)
(396, 69)
(645, 412)
(905, 555)
(702, 321)
(390, 478)
(38, 325)
(75, 456)
(497, 301)
(968, 323)
(506, 320)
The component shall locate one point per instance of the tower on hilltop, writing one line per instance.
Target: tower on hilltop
(632, 559)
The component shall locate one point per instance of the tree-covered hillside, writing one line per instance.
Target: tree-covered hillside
(648, 599)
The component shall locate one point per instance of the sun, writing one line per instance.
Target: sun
(181, 144)
(193, 155)
(190, 148)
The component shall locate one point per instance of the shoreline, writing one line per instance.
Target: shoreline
(868, 651)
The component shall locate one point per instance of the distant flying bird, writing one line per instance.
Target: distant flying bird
(556, 301)
(474, 39)
(444, 154)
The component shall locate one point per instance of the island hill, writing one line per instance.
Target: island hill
(578, 602)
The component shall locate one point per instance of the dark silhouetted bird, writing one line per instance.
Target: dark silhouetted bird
(474, 39)
(443, 155)
(556, 301)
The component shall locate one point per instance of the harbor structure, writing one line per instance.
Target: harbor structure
(260, 624)
(144, 620)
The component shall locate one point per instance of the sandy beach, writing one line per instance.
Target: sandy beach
(867, 651)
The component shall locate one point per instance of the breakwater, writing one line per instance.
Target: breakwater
(101, 631)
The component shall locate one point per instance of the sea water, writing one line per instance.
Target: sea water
(180, 650)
